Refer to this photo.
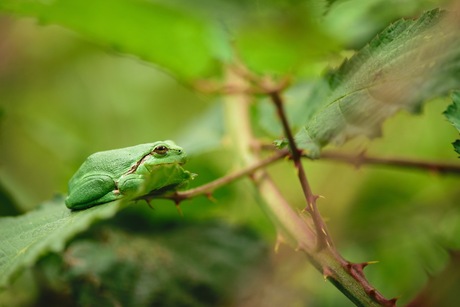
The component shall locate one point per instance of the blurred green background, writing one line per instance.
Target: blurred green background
(62, 97)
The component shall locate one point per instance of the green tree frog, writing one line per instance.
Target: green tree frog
(128, 172)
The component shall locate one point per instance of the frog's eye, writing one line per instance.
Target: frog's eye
(160, 150)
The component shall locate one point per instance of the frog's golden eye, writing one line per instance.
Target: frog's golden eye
(161, 150)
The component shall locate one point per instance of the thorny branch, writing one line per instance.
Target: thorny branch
(363, 159)
(324, 241)
(208, 188)
(323, 238)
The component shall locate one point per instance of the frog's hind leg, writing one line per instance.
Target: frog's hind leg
(95, 190)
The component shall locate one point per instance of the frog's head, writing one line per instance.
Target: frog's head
(166, 152)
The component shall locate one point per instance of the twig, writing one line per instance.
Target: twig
(363, 159)
(208, 188)
(321, 230)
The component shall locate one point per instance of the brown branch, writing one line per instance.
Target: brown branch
(208, 188)
(363, 159)
(321, 230)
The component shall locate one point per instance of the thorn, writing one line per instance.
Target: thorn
(327, 273)
(359, 159)
(358, 269)
(307, 209)
(211, 198)
(359, 266)
(179, 209)
(289, 157)
(392, 302)
(429, 274)
(362, 265)
(371, 292)
(297, 248)
(148, 201)
(279, 240)
(277, 246)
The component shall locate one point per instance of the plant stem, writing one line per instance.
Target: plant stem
(321, 230)
(362, 159)
(342, 273)
(295, 228)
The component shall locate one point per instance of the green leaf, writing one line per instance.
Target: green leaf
(25, 238)
(283, 38)
(363, 19)
(453, 111)
(175, 40)
(163, 264)
(408, 63)
(272, 36)
(457, 146)
(453, 115)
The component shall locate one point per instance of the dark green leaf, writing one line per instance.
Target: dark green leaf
(358, 21)
(408, 63)
(177, 41)
(457, 146)
(273, 36)
(161, 264)
(25, 238)
(286, 38)
(453, 111)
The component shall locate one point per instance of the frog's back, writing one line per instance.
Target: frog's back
(114, 162)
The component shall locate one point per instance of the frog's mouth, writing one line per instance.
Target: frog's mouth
(175, 164)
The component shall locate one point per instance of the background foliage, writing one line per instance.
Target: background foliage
(78, 77)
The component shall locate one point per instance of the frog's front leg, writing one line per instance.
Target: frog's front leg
(93, 190)
(131, 185)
